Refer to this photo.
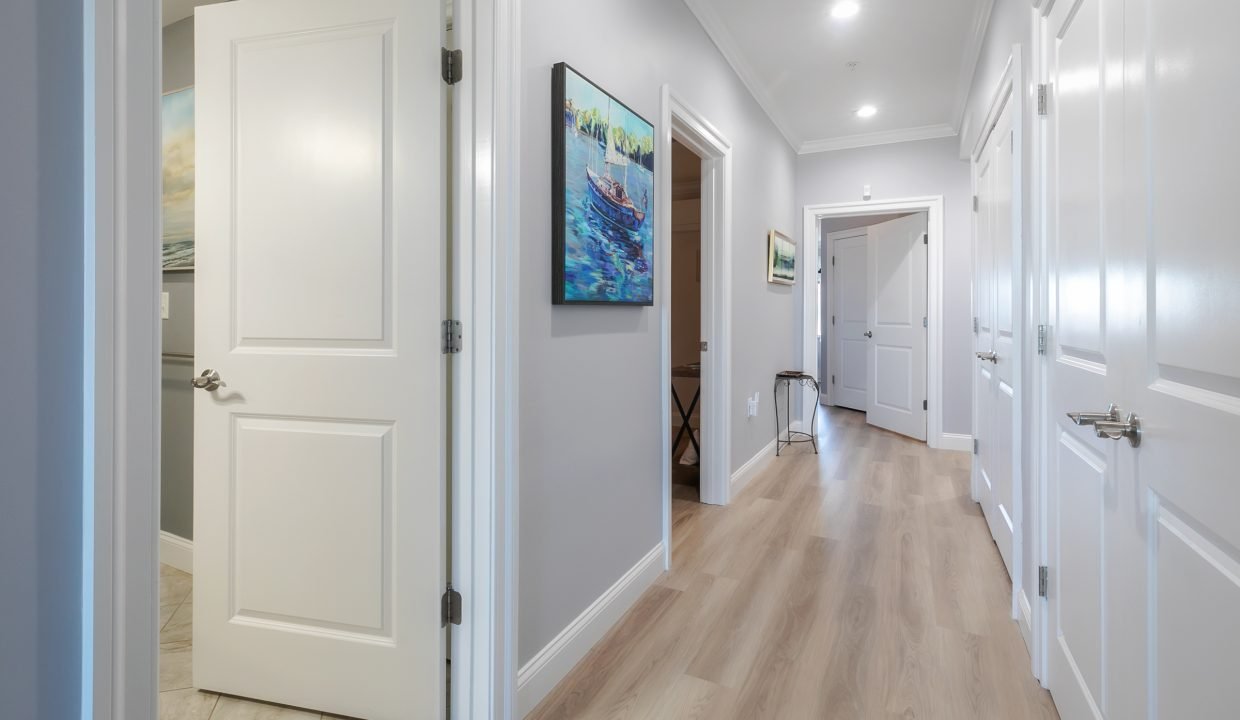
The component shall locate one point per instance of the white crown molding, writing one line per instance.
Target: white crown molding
(723, 40)
(968, 62)
(886, 137)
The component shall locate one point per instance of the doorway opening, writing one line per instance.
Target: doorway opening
(681, 124)
(888, 326)
(686, 322)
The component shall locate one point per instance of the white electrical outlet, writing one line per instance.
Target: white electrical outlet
(164, 304)
(753, 405)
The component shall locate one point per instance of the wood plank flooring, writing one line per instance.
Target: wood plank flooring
(860, 583)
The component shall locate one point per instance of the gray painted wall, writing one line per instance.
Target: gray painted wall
(41, 326)
(900, 170)
(176, 512)
(1011, 23)
(590, 464)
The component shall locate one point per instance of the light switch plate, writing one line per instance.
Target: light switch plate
(164, 303)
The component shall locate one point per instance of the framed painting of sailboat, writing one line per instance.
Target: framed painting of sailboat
(602, 188)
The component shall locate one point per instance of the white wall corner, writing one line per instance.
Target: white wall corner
(956, 441)
(719, 34)
(538, 677)
(176, 551)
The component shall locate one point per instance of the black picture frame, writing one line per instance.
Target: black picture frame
(560, 200)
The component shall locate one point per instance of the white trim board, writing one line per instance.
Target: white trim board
(886, 137)
(757, 464)
(932, 205)
(680, 121)
(956, 441)
(538, 677)
(176, 551)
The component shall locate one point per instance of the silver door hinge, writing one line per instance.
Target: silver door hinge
(975, 326)
(1041, 339)
(1043, 572)
(452, 65)
(976, 203)
(832, 261)
(976, 446)
(832, 319)
(450, 607)
(925, 238)
(925, 322)
(702, 346)
(451, 337)
(832, 379)
(925, 404)
(1043, 99)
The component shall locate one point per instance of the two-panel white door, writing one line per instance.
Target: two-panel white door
(896, 280)
(1144, 593)
(319, 460)
(850, 346)
(995, 358)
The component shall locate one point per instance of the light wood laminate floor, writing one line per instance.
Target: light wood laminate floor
(861, 583)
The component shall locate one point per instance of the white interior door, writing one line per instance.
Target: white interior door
(319, 474)
(995, 364)
(1175, 579)
(1083, 485)
(848, 363)
(896, 301)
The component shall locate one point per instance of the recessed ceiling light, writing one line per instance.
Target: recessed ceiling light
(867, 111)
(845, 9)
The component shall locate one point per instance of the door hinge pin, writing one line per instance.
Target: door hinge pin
(976, 203)
(975, 326)
(452, 65)
(976, 446)
(832, 379)
(1043, 99)
(1043, 573)
(1042, 330)
(925, 404)
(925, 238)
(451, 607)
(451, 337)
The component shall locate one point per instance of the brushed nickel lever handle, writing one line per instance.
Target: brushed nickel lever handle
(868, 334)
(1114, 430)
(991, 356)
(209, 380)
(1088, 418)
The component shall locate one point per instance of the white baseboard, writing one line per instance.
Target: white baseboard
(956, 441)
(755, 465)
(544, 671)
(1024, 619)
(176, 551)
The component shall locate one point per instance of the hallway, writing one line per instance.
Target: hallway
(862, 583)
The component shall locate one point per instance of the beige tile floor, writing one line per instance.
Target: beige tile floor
(178, 698)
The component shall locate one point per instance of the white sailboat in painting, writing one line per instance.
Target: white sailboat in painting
(609, 196)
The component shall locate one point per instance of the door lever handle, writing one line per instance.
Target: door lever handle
(991, 356)
(1088, 418)
(868, 334)
(209, 380)
(1114, 430)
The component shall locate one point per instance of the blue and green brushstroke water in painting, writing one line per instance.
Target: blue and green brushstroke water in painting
(604, 262)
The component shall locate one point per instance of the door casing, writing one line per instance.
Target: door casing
(121, 365)
(932, 205)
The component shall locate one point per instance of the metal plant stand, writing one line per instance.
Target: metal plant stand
(790, 436)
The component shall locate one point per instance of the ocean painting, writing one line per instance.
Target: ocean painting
(178, 178)
(781, 257)
(603, 196)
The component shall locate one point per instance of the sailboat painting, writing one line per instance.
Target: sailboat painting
(602, 196)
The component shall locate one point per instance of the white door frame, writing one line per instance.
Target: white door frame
(120, 660)
(933, 207)
(680, 121)
(828, 330)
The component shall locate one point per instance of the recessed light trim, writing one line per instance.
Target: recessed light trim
(845, 9)
(867, 111)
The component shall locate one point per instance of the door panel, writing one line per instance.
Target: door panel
(849, 279)
(896, 302)
(1182, 368)
(1080, 376)
(995, 393)
(319, 474)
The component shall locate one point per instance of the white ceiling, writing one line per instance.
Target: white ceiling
(915, 62)
(175, 10)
